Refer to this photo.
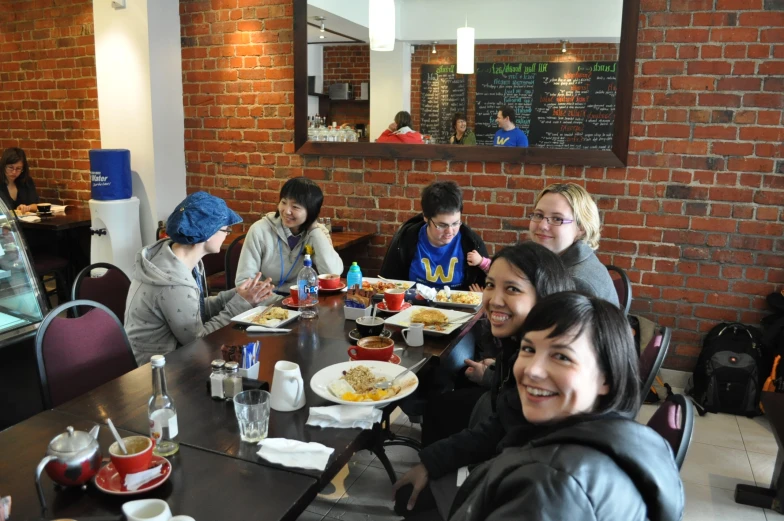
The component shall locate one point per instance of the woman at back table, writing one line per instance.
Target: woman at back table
(276, 244)
(400, 131)
(18, 191)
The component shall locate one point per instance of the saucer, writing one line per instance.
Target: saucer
(342, 286)
(394, 359)
(354, 334)
(108, 479)
(287, 302)
(382, 306)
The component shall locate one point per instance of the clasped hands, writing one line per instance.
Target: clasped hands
(255, 290)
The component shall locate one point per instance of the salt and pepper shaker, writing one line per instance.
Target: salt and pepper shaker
(217, 379)
(232, 385)
(328, 224)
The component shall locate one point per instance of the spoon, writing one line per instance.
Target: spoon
(387, 385)
(117, 436)
(373, 312)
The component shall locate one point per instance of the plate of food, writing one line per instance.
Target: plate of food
(352, 383)
(436, 321)
(380, 286)
(267, 316)
(459, 299)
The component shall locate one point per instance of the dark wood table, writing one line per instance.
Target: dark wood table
(72, 218)
(771, 497)
(211, 425)
(344, 240)
(202, 484)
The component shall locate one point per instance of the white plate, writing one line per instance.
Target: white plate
(244, 318)
(475, 307)
(323, 378)
(401, 284)
(403, 319)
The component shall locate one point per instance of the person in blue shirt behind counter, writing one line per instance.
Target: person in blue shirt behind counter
(508, 135)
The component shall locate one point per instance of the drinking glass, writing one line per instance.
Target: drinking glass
(253, 411)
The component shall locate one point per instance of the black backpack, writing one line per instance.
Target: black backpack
(729, 373)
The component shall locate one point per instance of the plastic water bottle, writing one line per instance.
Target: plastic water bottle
(354, 276)
(307, 282)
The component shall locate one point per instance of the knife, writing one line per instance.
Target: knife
(262, 329)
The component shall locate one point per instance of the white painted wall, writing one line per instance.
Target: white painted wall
(356, 11)
(315, 68)
(391, 91)
(139, 77)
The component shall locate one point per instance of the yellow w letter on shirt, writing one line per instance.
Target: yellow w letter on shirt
(433, 276)
(501, 140)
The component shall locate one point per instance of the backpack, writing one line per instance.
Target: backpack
(728, 376)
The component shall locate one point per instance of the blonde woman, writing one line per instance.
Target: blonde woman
(566, 221)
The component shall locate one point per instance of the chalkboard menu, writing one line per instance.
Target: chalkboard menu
(443, 93)
(557, 104)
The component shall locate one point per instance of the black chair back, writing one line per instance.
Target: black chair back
(623, 286)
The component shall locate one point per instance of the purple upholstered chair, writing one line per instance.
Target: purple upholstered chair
(222, 269)
(623, 286)
(652, 357)
(76, 355)
(674, 421)
(110, 289)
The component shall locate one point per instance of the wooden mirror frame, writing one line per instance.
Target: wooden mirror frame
(615, 157)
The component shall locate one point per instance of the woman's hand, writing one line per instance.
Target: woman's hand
(417, 477)
(392, 127)
(254, 290)
(476, 287)
(25, 208)
(476, 370)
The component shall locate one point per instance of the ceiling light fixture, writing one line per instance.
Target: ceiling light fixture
(382, 25)
(434, 48)
(465, 49)
(563, 45)
(323, 26)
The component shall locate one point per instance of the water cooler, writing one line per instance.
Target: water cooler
(116, 233)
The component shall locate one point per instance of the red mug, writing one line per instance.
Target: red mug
(394, 298)
(294, 294)
(373, 348)
(329, 281)
(138, 458)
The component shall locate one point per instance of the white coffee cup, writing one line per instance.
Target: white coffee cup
(147, 510)
(414, 334)
(182, 518)
(288, 389)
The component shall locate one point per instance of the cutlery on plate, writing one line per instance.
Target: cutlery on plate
(387, 385)
(262, 329)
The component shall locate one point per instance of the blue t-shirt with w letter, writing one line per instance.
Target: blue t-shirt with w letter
(437, 266)
(510, 138)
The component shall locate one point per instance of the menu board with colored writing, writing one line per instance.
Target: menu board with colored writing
(557, 104)
(443, 93)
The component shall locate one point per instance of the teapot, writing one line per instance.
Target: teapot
(72, 458)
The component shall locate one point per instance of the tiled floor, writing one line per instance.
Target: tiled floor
(725, 450)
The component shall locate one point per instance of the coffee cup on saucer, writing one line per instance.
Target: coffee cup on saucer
(44, 208)
(370, 326)
(373, 348)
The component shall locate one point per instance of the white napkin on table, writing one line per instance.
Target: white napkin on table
(344, 416)
(292, 453)
(30, 218)
(136, 480)
(426, 292)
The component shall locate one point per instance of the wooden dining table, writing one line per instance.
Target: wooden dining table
(210, 426)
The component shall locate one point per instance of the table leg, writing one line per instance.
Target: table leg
(771, 498)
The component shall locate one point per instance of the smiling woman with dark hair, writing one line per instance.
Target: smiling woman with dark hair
(18, 190)
(275, 244)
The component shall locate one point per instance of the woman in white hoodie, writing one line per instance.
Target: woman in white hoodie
(276, 244)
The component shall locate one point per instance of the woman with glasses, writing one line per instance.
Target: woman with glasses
(566, 221)
(167, 304)
(432, 248)
(18, 191)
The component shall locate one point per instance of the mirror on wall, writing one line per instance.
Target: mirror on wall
(559, 72)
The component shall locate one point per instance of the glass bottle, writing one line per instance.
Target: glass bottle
(161, 412)
(217, 379)
(232, 385)
(307, 282)
(328, 224)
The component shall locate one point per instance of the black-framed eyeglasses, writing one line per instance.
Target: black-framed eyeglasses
(554, 221)
(441, 227)
(226, 230)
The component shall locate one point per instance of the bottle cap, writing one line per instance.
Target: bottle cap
(231, 366)
(158, 361)
(354, 264)
(218, 363)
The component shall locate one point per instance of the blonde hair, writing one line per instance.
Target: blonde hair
(586, 213)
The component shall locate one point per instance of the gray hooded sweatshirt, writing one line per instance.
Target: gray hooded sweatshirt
(162, 309)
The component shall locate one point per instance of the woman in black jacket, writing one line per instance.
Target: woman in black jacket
(576, 452)
(18, 190)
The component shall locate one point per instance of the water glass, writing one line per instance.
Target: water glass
(253, 411)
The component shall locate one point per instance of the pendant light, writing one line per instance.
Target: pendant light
(465, 49)
(434, 48)
(563, 45)
(382, 25)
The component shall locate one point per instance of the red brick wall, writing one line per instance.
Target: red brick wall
(346, 64)
(49, 97)
(487, 53)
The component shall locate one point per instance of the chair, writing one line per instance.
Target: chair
(233, 259)
(652, 357)
(674, 421)
(51, 267)
(76, 355)
(110, 289)
(623, 287)
(221, 270)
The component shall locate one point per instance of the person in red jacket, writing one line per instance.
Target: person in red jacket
(400, 131)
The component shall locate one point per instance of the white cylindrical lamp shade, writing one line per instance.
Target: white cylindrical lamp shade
(382, 25)
(465, 50)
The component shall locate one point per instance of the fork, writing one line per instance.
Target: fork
(387, 385)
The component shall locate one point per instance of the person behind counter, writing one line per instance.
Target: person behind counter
(167, 305)
(18, 191)
(400, 131)
(462, 134)
(508, 135)
(276, 244)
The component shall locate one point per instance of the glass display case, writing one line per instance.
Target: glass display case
(23, 302)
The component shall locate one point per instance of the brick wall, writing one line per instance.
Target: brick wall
(487, 53)
(49, 98)
(347, 64)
